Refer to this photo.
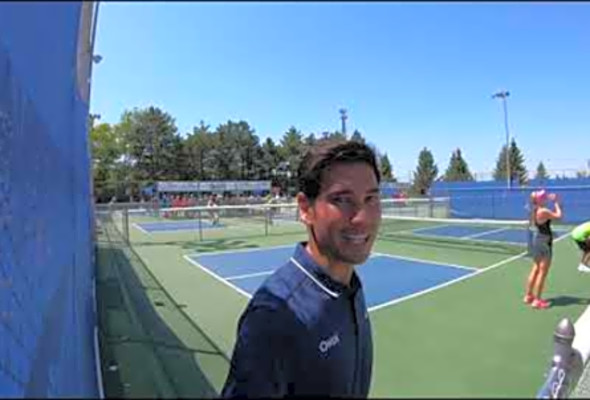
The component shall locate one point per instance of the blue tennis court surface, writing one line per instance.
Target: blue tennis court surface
(167, 226)
(385, 278)
(509, 235)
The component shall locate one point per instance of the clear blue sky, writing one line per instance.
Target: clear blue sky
(412, 75)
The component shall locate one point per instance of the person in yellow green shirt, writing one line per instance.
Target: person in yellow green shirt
(581, 235)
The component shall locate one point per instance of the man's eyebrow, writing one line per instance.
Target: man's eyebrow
(348, 191)
(340, 192)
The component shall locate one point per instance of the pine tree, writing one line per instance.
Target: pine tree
(386, 169)
(457, 169)
(518, 172)
(425, 173)
(357, 137)
(541, 172)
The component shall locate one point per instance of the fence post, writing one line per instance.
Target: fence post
(566, 364)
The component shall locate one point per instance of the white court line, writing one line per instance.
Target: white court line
(241, 250)
(430, 227)
(419, 229)
(140, 228)
(219, 278)
(484, 233)
(448, 283)
(444, 284)
(234, 277)
(426, 261)
(459, 239)
(431, 235)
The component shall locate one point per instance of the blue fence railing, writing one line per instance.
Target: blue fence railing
(47, 317)
(494, 200)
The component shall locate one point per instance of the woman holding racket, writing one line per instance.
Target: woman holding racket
(542, 249)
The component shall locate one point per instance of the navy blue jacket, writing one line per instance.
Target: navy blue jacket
(301, 334)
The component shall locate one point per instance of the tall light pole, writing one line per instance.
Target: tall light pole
(343, 117)
(503, 95)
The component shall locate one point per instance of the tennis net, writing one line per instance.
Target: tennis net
(433, 207)
(417, 220)
(511, 237)
(221, 222)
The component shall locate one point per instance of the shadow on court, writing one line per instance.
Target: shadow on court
(561, 301)
(149, 346)
(204, 246)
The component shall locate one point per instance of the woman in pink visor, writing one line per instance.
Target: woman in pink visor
(542, 250)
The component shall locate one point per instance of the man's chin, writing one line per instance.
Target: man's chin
(355, 259)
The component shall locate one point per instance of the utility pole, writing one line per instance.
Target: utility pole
(343, 117)
(503, 95)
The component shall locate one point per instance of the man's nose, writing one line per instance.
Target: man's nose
(358, 213)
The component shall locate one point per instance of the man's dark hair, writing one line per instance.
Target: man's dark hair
(327, 153)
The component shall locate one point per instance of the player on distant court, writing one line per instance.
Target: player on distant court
(214, 214)
(542, 249)
(581, 235)
(274, 197)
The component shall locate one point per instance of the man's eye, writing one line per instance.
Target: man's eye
(372, 199)
(341, 200)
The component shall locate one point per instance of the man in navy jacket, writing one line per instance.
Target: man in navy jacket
(306, 330)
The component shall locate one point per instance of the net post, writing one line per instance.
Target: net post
(156, 205)
(126, 223)
(431, 206)
(199, 217)
(266, 220)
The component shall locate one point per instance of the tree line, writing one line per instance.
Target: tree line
(145, 146)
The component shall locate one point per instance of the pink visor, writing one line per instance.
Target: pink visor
(539, 195)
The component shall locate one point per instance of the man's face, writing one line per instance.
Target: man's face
(346, 214)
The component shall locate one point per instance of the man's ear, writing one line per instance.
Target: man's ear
(306, 214)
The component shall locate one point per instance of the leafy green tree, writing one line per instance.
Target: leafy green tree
(199, 150)
(225, 156)
(151, 142)
(247, 144)
(106, 150)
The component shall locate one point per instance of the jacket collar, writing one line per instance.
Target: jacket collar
(303, 260)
